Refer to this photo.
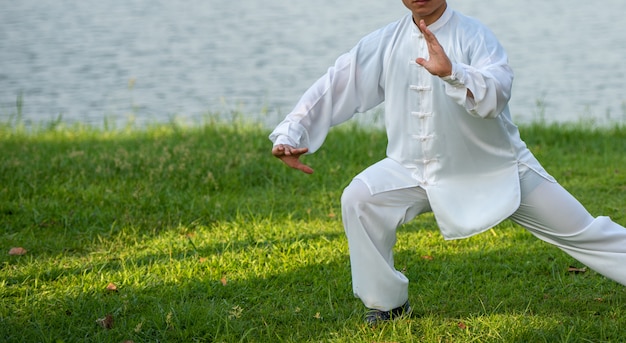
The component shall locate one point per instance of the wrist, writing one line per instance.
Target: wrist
(446, 72)
(455, 78)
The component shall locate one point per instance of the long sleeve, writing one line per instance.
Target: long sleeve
(485, 72)
(350, 86)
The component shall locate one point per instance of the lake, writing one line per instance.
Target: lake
(155, 61)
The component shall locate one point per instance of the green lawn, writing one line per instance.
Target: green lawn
(205, 237)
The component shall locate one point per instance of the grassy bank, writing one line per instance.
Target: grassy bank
(176, 234)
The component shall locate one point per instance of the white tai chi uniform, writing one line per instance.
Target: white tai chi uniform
(460, 157)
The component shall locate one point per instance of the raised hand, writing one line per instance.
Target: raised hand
(438, 63)
(291, 157)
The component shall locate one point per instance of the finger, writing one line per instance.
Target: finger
(291, 151)
(426, 31)
(422, 26)
(297, 164)
(430, 37)
(278, 151)
(299, 151)
(287, 150)
(303, 167)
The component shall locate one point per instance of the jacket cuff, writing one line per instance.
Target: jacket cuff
(289, 133)
(457, 78)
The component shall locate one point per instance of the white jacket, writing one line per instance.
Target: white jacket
(464, 152)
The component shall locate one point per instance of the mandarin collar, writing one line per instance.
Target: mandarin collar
(445, 17)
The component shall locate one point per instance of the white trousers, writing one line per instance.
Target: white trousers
(547, 210)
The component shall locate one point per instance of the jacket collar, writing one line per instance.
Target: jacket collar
(445, 17)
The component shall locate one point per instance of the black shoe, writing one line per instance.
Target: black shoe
(374, 317)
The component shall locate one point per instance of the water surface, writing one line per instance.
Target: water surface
(152, 61)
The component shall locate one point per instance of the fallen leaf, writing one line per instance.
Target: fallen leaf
(111, 287)
(138, 327)
(223, 281)
(235, 312)
(17, 251)
(428, 257)
(576, 270)
(462, 326)
(202, 259)
(106, 322)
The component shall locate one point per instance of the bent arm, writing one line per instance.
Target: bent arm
(473, 66)
(484, 92)
(480, 78)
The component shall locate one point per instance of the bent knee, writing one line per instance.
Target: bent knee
(356, 192)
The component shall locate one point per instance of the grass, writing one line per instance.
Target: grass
(207, 238)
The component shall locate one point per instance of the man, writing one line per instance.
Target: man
(452, 149)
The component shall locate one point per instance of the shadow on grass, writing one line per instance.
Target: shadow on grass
(521, 297)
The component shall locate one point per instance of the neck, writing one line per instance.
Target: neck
(431, 17)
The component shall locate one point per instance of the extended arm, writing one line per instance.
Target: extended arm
(351, 85)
